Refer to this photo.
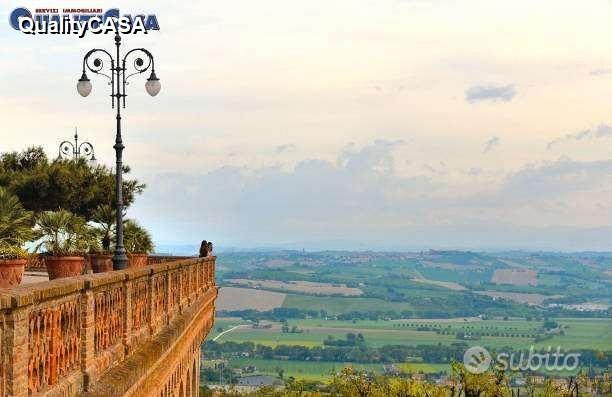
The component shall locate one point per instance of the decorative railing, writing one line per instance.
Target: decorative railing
(63, 335)
(155, 259)
(36, 263)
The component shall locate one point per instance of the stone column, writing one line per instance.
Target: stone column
(127, 316)
(151, 304)
(168, 289)
(88, 329)
(16, 352)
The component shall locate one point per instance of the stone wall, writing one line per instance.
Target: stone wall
(73, 336)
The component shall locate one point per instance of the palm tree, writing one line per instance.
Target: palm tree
(64, 233)
(15, 225)
(104, 217)
(136, 238)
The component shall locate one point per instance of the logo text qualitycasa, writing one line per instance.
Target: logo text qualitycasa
(80, 21)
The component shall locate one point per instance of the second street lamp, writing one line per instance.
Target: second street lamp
(74, 150)
(118, 75)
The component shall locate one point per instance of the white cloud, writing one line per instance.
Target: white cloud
(601, 131)
(361, 197)
(490, 93)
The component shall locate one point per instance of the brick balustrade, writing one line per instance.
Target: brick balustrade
(36, 263)
(72, 336)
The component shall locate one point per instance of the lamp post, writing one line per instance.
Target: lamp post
(118, 79)
(75, 150)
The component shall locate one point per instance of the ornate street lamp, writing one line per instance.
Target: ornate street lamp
(141, 60)
(84, 150)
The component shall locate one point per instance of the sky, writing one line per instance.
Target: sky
(399, 124)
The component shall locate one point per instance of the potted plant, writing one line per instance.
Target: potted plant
(15, 229)
(100, 255)
(66, 238)
(138, 243)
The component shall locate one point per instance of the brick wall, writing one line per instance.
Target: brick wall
(63, 336)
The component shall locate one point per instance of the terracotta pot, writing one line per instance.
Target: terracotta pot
(64, 266)
(11, 272)
(101, 263)
(137, 260)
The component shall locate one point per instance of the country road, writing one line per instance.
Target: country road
(229, 330)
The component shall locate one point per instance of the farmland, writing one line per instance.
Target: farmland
(515, 276)
(335, 305)
(433, 284)
(578, 334)
(520, 297)
(319, 370)
(316, 333)
(307, 287)
(231, 298)
(426, 308)
(298, 369)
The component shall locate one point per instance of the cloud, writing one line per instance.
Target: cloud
(376, 157)
(316, 197)
(361, 196)
(556, 179)
(490, 93)
(490, 144)
(475, 171)
(285, 148)
(601, 131)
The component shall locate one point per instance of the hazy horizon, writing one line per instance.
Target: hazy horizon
(162, 248)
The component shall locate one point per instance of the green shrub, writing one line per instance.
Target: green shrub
(15, 227)
(137, 239)
(65, 234)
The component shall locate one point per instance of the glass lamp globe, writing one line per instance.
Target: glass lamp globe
(84, 86)
(153, 85)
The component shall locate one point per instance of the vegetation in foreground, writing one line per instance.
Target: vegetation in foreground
(351, 382)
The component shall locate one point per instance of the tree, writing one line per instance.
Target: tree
(104, 217)
(15, 226)
(64, 234)
(491, 383)
(73, 185)
(356, 383)
(136, 238)
(352, 382)
(550, 324)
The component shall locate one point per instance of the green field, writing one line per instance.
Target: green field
(299, 369)
(336, 305)
(583, 333)
(324, 370)
(580, 334)
(224, 323)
